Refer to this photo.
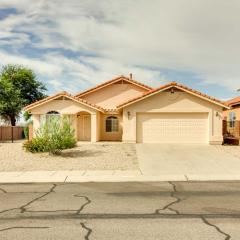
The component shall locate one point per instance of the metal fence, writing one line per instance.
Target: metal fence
(9, 133)
(231, 129)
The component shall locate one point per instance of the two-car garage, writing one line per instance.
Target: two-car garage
(173, 114)
(172, 128)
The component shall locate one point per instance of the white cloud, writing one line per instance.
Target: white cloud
(39, 66)
(88, 71)
(73, 75)
(197, 36)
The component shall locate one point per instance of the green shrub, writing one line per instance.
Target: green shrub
(53, 136)
(25, 132)
(36, 145)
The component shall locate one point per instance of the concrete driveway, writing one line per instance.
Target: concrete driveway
(201, 160)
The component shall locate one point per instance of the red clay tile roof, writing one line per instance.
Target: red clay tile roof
(112, 110)
(173, 84)
(233, 101)
(144, 95)
(62, 94)
(113, 81)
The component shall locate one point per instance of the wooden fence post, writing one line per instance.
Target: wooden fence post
(12, 134)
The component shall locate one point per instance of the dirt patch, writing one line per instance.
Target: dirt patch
(96, 156)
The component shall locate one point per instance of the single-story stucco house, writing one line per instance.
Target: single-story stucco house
(123, 109)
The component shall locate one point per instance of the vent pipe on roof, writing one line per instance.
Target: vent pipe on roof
(130, 75)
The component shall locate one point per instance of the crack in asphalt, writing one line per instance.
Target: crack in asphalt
(2, 190)
(8, 210)
(88, 201)
(52, 211)
(168, 206)
(23, 208)
(178, 199)
(89, 231)
(227, 236)
(11, 228)
(158, 214)
(65, 179)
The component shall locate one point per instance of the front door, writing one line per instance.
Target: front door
(84, 127)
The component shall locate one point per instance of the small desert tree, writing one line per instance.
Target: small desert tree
(18, 88)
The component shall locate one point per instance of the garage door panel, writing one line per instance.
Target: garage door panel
(172, 127)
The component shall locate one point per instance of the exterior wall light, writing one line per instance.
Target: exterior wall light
(128, 114)
(172, 91)
(219, 115)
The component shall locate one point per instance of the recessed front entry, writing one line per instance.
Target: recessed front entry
(84, 127)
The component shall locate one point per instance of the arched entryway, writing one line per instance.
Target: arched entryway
(84, 126)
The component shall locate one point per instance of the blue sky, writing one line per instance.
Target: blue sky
(73, 45)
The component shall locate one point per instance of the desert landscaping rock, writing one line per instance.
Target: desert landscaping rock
(98, 156)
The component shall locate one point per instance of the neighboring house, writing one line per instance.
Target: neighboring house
(232, 118)
(125, 110)
(233, 114)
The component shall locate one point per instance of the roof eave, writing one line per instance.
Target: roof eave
(176, 86)
(205, 98)
(27, 109)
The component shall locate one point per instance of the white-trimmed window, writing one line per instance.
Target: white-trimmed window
(50, 116)
(232, 119)
(112, 124)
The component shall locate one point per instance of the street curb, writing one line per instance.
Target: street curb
(106, 176)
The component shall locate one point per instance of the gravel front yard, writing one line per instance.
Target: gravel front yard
(97, 156)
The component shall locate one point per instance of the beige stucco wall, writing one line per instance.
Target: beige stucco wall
(177, 102)
(111, 96)
(236, 110)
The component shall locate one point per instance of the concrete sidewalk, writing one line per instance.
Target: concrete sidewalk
(106, 176)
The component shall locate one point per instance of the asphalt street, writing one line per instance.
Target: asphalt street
(141, 210)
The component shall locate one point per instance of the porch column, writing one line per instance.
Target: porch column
(36, 123)
(129, 127)
(93, 127)
(75, 125)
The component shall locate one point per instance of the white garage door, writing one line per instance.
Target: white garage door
(172, 127)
